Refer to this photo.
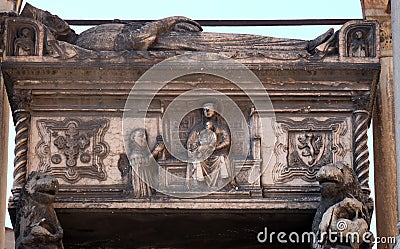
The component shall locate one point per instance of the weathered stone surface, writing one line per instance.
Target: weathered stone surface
(69, 103)
(384, 154)
(375, 4)
(175, 33)
(383, 124)
(36, 223)
(344, 209)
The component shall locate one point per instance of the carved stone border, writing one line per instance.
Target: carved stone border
(335, 130)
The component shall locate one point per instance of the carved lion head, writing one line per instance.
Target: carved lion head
(42, 188)
(338, 180)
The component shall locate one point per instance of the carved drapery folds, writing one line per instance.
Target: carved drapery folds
(72, 149)
(361, 42)
(137, 168)
(302, 147)
(38, 32)
(213, 170)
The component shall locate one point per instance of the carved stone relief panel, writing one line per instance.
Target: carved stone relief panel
(189, 121)
(22, 38)
(178, 175)
(302, 147)
(385, 34)
(73, 149)
(359, 39)
(235, 129)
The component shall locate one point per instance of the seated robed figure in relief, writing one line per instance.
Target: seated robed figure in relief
(208, 147)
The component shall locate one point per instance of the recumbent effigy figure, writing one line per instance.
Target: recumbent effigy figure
(179, 33)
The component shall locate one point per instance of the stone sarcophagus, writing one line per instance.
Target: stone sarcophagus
(149, 127)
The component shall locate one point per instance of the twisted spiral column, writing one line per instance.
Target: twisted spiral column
(20, 105)
(361, 152)
(22, 118)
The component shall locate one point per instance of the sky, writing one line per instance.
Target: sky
(205, 9)
(211, 9)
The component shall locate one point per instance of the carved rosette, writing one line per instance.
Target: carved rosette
(361, 153)
(302, 147)
(21, 115)
(73, 149)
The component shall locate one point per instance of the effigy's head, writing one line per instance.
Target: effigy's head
(41, 188)
(337, 180)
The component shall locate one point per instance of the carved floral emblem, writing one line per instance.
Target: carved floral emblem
(73, 149)
(72, 144)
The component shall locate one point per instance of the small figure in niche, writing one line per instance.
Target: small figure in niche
(24, 45)
(358, 47)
